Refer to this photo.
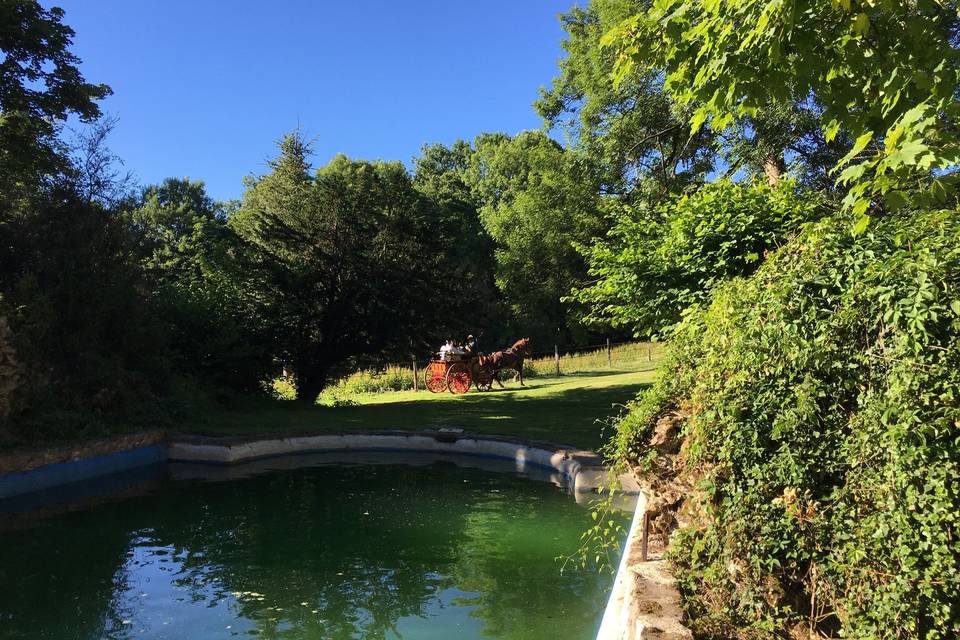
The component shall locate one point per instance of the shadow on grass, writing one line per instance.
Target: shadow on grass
(572, 416)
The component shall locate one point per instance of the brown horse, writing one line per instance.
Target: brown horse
(510, 358)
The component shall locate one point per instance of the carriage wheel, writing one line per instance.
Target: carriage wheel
(458, 378)
(434, 379)
(482, 379)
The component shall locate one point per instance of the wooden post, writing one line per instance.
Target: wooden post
(556, 357)
(649, 352)
(644, 536)
(609, 355)
(416, 381)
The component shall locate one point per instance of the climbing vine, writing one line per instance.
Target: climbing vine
(823, 435)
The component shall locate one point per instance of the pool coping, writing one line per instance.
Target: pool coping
(37, 470)
(644, 601)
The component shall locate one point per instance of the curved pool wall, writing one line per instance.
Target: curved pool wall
(230, 458)
(581, 472)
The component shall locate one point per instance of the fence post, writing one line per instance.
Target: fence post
(556, 357)
(416, 381)
(649, 352)
(609, 355)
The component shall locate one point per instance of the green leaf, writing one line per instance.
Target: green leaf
(831, 130)
(699, 117)
(852, 173)
(859, 145)
(861, 225)
(861, 23)
(906, 154)
(896, 200)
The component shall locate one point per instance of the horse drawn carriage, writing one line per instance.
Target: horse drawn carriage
(456, 373)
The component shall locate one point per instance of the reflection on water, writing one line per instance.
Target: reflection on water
(373, 551)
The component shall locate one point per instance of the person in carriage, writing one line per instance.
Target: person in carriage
(452, 350)
(471, 347)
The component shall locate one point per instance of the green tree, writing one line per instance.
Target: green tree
(638, 132)
(342, 258)
(40, 86)
(196, 269)
(465, 249)
(884, 73)
(81, 319)
(633, 130)
(656, 262)
(539, 203)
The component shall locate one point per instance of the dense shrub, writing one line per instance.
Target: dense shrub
(656, 262)
(82, 324)
(823, 435)
(392, 378)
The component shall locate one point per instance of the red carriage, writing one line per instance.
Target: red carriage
(457, 374)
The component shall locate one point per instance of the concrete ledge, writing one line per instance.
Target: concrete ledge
(645, 602)
(21, 460)
(583, 471)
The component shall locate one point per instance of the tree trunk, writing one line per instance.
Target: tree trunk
(773, 168)
(310, 382)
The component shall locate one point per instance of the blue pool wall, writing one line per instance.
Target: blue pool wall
(73, 471)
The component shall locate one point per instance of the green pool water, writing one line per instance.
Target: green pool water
(329, 551)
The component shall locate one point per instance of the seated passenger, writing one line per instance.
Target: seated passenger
(446, 349)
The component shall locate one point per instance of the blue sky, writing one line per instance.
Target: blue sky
(203, 88)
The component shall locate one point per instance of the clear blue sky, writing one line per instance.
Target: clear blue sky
(204, 88)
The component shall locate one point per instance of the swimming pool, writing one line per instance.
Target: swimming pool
(309, 548)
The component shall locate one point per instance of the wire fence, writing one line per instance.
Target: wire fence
(409, 375)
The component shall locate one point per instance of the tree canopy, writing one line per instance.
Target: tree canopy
(539, 202)
(40, 85)
(883, 73)
(346, 260)
(633, 131)
(655, 263)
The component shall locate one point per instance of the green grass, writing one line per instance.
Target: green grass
(623, 358)
(569, 409)
(626, 357)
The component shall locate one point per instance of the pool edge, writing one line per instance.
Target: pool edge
(584, 470)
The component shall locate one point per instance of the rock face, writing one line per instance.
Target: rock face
(661, 481)
(666, 434)
(652, 601)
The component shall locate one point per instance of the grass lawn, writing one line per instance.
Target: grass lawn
(569, 409)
